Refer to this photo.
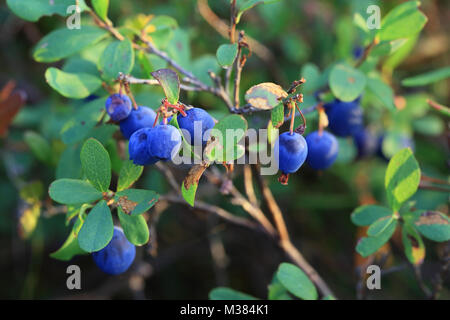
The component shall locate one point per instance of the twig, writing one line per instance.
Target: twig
(238, 65)
(420, 282)
(366, 53)
(248, 184)
(200, 205)
(273, 208)
(433, 188)
(439, 107)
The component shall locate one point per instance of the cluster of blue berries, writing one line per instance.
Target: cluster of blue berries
(148, 143)
(320, 148)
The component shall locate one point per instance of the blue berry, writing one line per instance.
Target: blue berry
(290, 152)
(345, 118)
(199, 119)
(117, 256)
(138, 147)
(165, 142)
(358, 52)
(322, 150)
(118, 106)
(139, 118)
(365, 142)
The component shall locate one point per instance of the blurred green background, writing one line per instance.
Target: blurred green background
(190, 253)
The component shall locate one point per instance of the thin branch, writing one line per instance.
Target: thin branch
(238, 65)
(248, 184)
(238, 199)
(439, 107)
(226, 215)
(273, 208)
(366, 53)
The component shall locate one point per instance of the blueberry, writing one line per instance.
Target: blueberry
(322, 150)
(139, 118)
(345, 118)
(117, 256)
(138, 147)
(358, 52)
(164, 142)
(118, 106)
(290, 152)
(197, 121)
(365, 142)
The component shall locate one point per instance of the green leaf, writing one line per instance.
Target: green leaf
(39, 146)
(265, 96)
(129, 173)
(70, 247)
(277, 116)
(96, 164)
(189, 194)
(311, 73)
(387, 47)
(97, 230)
(169, 81)
(248, 4)
(403, 21)
(79, 65)
(63, 43)
(117, 57)
(379, 226)
(72, 191)
(79, 127)
(413, 244)
(434, 226)
(69, 165)
(134, 227)
(382, 91)
(136, 201)
(72, 85)
(402, 178)
(368, 214)
(427, 78)
(226, 54)
(101, 8)
(225, 147)
(201, 66)
(277, 291)
(296, 281)
(346, 83)
(223, 293)
(35, 9)
(429, 125)
(369, 245)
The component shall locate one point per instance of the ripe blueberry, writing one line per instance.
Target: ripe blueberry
(197, 121)
(117, 256)
(290, 152)
(142, 117)
(322, 150)
(118, 106)
(164, 142)
(365, 142)
(345, 118)
(138, 147)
